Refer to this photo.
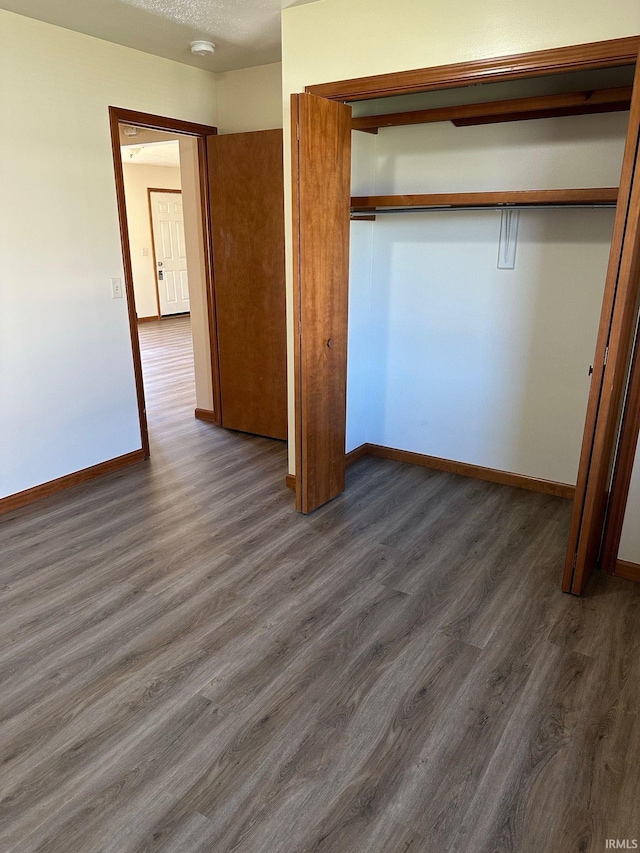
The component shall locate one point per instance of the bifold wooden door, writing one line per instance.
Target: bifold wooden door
(246, 189)
(321, 167)
(610, 368)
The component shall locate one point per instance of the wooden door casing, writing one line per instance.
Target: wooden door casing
(246, 191)
(321, 137)
(117, 116)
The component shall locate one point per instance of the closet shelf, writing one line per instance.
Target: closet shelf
(520, 109)
(592, 197)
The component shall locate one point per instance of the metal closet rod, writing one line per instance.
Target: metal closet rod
(439, 209)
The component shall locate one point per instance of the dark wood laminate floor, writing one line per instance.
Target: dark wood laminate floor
(188, 665)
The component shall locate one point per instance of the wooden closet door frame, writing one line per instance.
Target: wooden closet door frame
(118, 116)
(595, 55)
(582, 57)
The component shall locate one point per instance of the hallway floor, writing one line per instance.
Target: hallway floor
(189, 665)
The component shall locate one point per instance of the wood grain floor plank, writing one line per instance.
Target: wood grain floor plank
(175, 835)
(581, 830)
(113, 807)
(510, 808)
(446, 778)
(189, 666)
(381, 756)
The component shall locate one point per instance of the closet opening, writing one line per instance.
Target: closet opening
(494, 369)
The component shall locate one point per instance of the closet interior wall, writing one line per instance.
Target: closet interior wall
(629, 550)
(450, 356)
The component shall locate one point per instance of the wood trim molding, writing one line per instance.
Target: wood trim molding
(577, 196)
(290, 482)
(114, 123)
(552, 112)
(148, 319)
(492, 475)
(628, 571)
(582, 57)
(357, 453)
(153, 122)
(21, 499)
(205, 415)
(210, 275)
(465, 469)
(544, 106)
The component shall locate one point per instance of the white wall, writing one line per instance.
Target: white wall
(137, 180)
(472, 363)
(250, 99)
(482, 365)
(630, 542)
(340, 39)
(66, 375)
(360, 258)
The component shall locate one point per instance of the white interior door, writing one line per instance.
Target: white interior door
(170, 253)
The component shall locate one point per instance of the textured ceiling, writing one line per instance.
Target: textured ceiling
(245, 32)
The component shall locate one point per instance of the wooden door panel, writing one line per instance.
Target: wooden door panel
(321, 149)
(246, 187)
(611, 364)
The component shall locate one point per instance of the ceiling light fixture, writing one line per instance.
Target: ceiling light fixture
(202, 48)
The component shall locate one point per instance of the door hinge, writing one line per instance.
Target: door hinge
(606, 356)
(298, 132)
(575, 560)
